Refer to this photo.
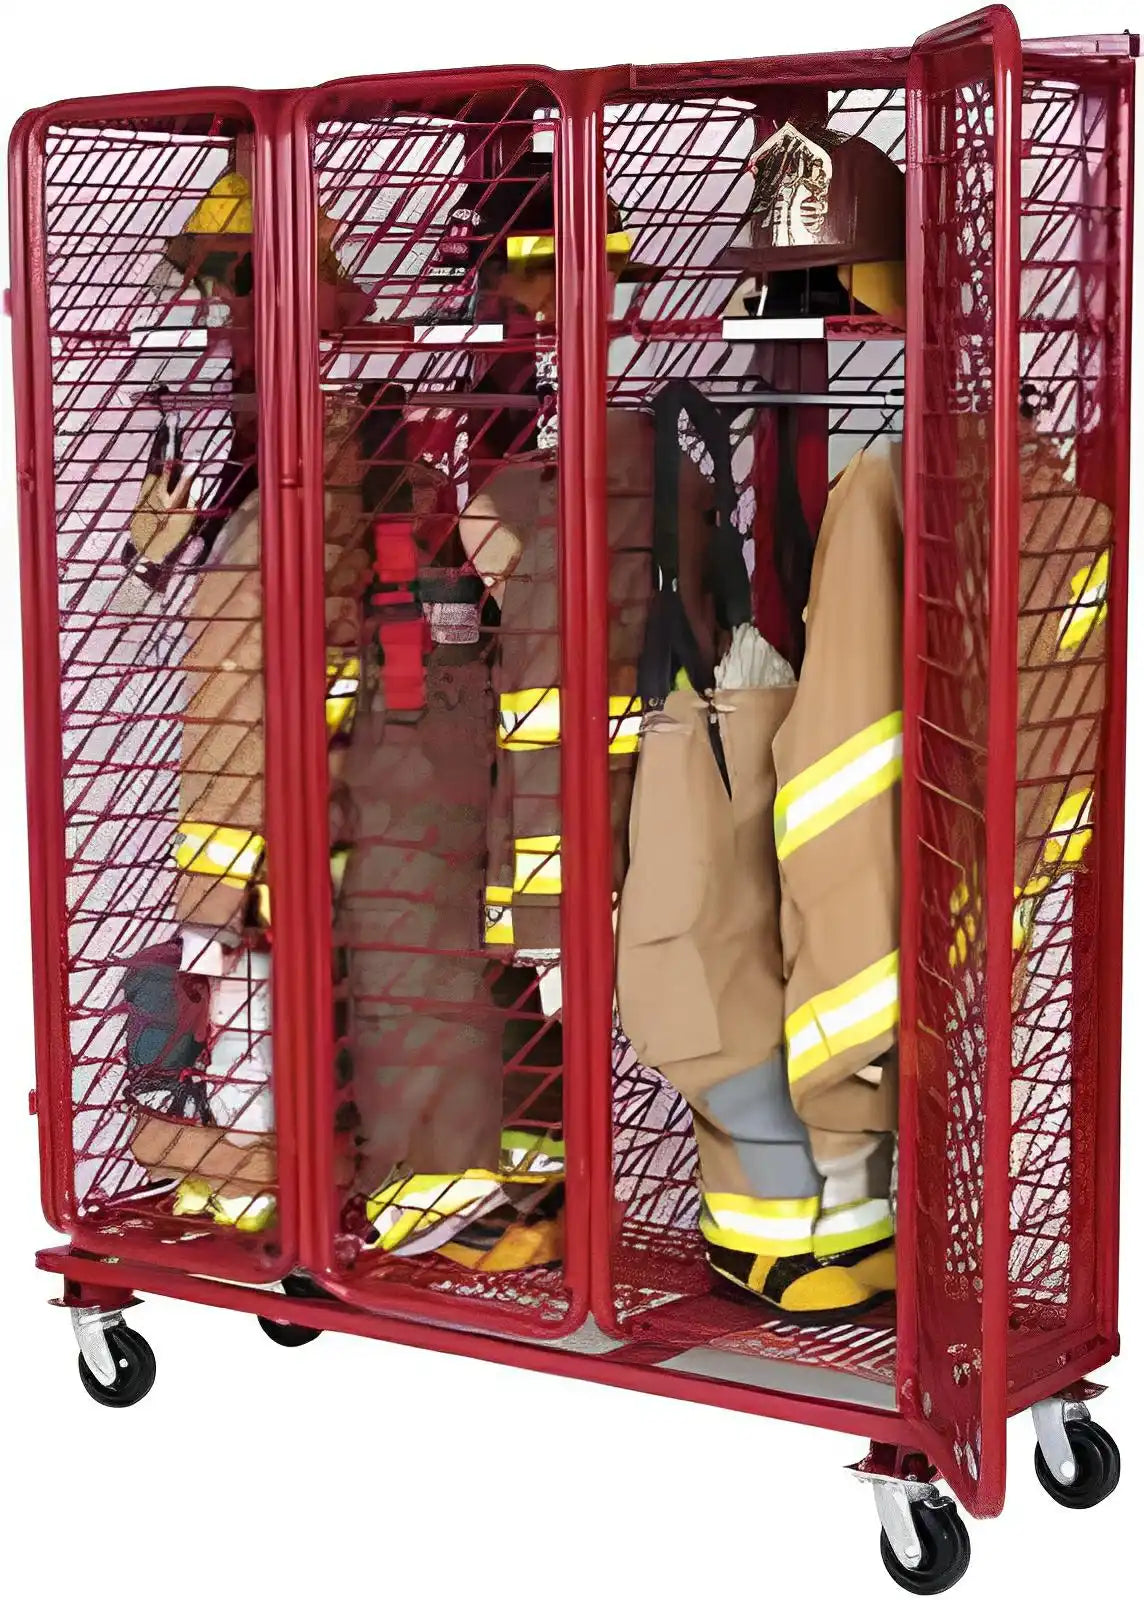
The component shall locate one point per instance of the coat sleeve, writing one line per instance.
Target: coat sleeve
(1064, 576)
(223, 750)
(838, 764)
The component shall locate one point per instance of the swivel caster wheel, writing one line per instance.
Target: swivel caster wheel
(116, 1364)
(1077, 1462)
(289, 1334)
(925, 1544)
(942, 1544)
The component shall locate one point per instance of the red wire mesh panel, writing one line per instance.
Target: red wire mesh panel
(677, 170)
(948, 706)
(1071, 323)
(442, 561)
(146, 300)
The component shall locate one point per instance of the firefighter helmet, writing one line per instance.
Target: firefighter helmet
(826, 200)
(510, 220)
(216, 244)
(225, 208)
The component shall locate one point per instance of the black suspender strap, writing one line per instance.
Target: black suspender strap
(670, 641)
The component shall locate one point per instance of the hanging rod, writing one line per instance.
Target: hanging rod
(893, 401)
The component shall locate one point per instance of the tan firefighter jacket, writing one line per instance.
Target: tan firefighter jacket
(698, 961)
(1062, 583)
(510, 535)
(838, 760)
(220, 846)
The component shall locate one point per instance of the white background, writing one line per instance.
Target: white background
(352, 1466)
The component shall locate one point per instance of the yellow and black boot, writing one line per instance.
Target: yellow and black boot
(767, 1249)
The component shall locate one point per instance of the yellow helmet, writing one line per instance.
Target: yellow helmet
(225, 208)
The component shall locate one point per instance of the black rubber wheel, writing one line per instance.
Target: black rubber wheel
(289, 1334)
(135, 1370)
(945, 1550)
(1097, 1462)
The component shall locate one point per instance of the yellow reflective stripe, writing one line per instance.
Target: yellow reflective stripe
(1069, 836)
(1065, 844)
(339, 861)
(849, 1227)
(854, 1013)
(1024, 914)
(541, 1143)
(542, 246)
(448, 1192)
(247, 1213)
(856, 771)
(343, 680)
(965, 914)
(959, 949)
(537, 868)
(498, 915)
(531, 1157)
(233, 854)
(413, 1204)
(625, 719)
(760, 1227)
(1089, 588)
(530, 720)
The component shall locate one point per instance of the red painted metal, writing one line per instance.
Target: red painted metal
(1062, 1183)
(24, 245)
(1103, 45)
(1007, 1259)
(841, 1417)
(583, 311)
(134, 1216)
(1110, 959)
(959, 749)
(554, 1302)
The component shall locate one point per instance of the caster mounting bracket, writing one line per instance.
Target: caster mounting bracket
(90, 1326)
(894, 1500)
(1051, 1419)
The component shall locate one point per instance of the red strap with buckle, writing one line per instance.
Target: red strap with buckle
(403, 632)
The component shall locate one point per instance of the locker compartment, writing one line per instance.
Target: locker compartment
(150, 740)
(680, 168)
(1073, 306)
(445, 1035)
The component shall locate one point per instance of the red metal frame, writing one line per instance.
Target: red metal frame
(309, 798)
(291, 435)
(43, 711)
(1111, 958)
(844, 1417)
(23, 243)
(953, 56)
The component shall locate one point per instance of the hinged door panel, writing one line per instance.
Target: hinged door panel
(958, 793)
(434, 409)
(143, 290)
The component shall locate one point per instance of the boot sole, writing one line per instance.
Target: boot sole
(828, 1318)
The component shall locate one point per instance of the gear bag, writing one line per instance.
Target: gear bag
(167, 1021)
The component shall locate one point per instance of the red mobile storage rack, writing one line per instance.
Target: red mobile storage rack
(1018, 168)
